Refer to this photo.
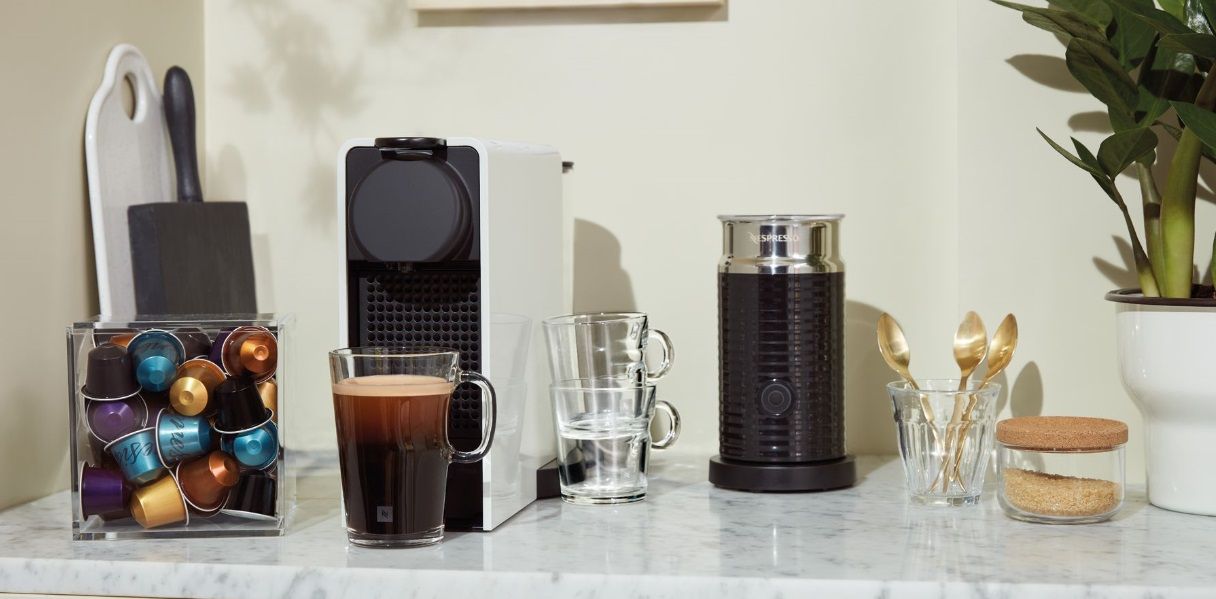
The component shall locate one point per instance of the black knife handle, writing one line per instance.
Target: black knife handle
(179, 114)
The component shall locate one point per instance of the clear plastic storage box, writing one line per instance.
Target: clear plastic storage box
(177, 427)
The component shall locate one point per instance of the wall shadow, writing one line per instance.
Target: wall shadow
(1123, 275)
(600, 282)
(869, 420)
(572, 16)
(1026, 395)
(1050, 71)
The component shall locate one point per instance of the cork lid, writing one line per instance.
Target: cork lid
(1067, 433)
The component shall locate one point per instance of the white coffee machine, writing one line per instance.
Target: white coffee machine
(457, 243)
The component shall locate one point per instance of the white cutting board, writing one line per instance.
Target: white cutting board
(128, 163)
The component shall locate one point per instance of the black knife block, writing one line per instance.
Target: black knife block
(192, 258)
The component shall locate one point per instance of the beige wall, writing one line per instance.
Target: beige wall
(672, 117)
(51, 58)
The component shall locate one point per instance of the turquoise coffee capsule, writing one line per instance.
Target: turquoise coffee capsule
(256, 449)
(179, 437)
(136, 456)
(156, 355)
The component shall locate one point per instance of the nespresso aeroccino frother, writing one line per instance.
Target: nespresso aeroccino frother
(781, 355)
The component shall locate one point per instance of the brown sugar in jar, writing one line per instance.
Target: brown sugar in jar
(1060, 469)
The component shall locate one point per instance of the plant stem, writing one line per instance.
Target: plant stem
(1178, 216)
(1144, 270)
(1152, 219)
(1178, 203)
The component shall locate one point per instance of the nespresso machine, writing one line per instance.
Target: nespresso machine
(457, 243)
(781, 355)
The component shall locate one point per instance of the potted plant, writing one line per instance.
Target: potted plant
(1154, 68)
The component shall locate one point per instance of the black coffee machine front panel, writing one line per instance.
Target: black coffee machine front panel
(414, 276)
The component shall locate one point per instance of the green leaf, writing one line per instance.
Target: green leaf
(1131, 37)
(1201, 122)
(1120, 150)
(1158, 19)
(1202, 44)
(1069, 155)
(1097, 12)
(1094, 67)
(1095, 170)
(1060, 22)
(1176, 8)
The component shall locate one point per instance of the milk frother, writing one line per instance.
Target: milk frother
(781, 355)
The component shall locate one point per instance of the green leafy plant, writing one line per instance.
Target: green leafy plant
(1154, 67)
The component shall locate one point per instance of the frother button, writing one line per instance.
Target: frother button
(776, 397)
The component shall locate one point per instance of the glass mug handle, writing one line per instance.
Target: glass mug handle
(489, 417)
(669, 354)
(673, 424)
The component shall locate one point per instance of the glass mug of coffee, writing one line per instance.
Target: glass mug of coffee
(391, 409)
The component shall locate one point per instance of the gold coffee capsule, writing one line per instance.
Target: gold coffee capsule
(269, 391)
(196, 379)
(159, 503)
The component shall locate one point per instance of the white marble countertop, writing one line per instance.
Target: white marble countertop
(687, 540)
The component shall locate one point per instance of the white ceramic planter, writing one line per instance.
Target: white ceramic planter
(1167, 358)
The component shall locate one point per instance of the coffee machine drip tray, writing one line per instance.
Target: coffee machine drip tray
(810, 476)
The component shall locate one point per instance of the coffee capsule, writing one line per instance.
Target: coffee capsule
(251, 351)
(159, 503)
(206, 480)
(269, 392)
(156, 401)
(108, 375)
(156, 355)
(238, 406)
(119, 336)
(196, 342)
(257, 449)
(217, 348)
(197, 379)
(179, 437)
(253, 497)
(109, 420)
(103, 493)
(136, 456)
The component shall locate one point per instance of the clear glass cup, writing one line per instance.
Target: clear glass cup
(605, 345)
(945, 438)
(391, 408)
(603, 438)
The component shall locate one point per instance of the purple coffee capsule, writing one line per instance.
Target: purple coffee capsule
(103, 493)
(216, 356)
(109, 420)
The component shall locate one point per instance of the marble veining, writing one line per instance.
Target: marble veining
(687, 539)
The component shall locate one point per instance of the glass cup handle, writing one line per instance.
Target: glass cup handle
(669, 355)
(489, 418)
(673, 424)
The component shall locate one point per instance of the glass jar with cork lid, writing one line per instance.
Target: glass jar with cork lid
(1061, 469)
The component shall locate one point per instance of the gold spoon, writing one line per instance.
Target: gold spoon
(970, 347)
(1000, 354)
(894, 348)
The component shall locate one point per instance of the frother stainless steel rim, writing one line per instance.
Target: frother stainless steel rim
(749, 218)
(780, 244)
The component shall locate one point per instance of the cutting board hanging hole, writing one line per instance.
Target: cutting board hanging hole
(129, 97)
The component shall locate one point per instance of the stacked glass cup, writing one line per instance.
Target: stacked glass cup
(604, 401)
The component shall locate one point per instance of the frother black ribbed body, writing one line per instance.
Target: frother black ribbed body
(781, 356)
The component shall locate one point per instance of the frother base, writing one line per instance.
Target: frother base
(811, 476)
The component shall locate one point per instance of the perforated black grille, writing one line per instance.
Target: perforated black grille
(781, 346)
(437, 308)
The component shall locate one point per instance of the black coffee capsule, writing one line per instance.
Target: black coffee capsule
(109, 375)
(196, 342)
(239, 406)
(253, 497)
